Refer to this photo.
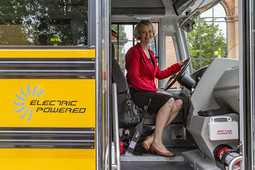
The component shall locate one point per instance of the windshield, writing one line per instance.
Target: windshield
(208, 40)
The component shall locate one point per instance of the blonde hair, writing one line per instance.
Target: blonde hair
(138, 28)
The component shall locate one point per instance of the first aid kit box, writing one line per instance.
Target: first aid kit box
(222, 128)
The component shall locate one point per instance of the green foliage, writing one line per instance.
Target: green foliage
(119, 47)
(210, 40)
(36, 22)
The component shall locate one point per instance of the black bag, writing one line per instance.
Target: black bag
(128, 114)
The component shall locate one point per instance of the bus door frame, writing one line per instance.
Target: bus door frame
(247, 83)
(103, 80)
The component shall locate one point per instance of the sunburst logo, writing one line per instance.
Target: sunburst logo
(24, 99)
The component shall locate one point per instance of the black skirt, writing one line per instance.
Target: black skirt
(141, 98)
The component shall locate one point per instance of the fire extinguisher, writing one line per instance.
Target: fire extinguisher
(225, 154)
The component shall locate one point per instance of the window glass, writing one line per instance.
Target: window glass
(205, 30)
(221, 30)
(129, 31)
(208, 40)
(218, 11)
(170, 56)
(47, 22)
(125, 40)
(122, 42)
(152, 46)
(207, 14)
(205, 62)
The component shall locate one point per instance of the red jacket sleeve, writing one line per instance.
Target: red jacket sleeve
(133, 61)
(167, 72)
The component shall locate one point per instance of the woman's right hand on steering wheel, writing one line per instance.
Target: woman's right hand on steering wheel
(183, 62)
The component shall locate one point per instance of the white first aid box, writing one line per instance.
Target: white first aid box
(222, 128)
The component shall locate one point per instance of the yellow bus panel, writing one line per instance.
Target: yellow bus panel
(88, 53)
(47, 159)
(47, 102)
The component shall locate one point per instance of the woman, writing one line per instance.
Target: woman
(142, 70)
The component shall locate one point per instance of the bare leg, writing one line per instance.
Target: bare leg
(177, 106)
(163, 115)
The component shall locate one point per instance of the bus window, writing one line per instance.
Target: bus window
(125, 40)
(41, 23)
(170, 55)
(208, 40)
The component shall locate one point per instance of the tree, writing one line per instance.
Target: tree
(207, 37)
(38, 22)
(119, 48)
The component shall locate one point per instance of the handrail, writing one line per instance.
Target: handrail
(116, 127)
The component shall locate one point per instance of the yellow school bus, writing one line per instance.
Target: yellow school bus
(48, 78)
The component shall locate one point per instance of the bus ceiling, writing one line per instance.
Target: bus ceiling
(183, 10)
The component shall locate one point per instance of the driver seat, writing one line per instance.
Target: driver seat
(144, 119)
(123, 92)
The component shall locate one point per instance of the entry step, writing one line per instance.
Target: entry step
(156, 165)
(151, 158)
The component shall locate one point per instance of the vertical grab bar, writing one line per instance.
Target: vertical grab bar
(116, 126)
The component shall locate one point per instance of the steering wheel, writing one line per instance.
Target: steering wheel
(176, 76)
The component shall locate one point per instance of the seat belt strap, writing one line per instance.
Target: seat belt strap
(138, 132)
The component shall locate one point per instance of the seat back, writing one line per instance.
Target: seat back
(127, 112)
(119, 78)
(123, 95)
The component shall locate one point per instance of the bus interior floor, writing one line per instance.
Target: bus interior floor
(158, 165)
(148, 161)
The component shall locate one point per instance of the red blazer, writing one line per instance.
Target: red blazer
(141, 73)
